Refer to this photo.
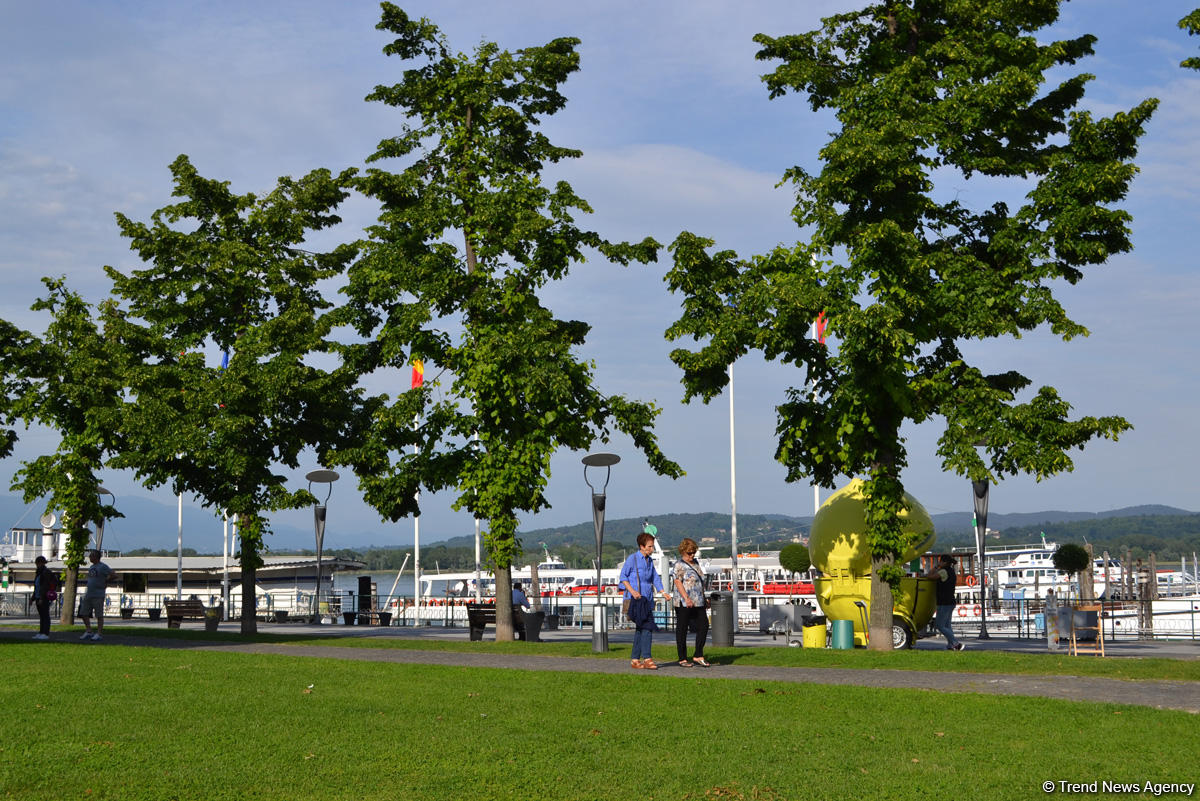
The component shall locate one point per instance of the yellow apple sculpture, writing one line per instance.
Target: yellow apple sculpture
(838, 546)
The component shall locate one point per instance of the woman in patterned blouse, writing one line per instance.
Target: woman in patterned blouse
(689, 587)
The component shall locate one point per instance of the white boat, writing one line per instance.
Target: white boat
(284, 585)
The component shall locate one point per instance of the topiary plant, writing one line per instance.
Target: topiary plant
(1071, 558)
(794, 558)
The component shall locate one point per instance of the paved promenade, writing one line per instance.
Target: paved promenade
(1158, 694)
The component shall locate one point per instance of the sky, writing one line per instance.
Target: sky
(677, 131)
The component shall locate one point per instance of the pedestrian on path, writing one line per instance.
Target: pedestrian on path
(45, 590)
(691, 607)
(946, 600)
(98, 576)
(639, 577)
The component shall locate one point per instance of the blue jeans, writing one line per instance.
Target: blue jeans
(641, 643)
(941, 622)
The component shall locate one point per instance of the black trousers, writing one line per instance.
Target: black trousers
(43, 607)
(684, 615)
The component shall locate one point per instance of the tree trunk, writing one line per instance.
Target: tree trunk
(880, 630)
(504, 605)
(249, 557)
(76, 554)
(1087, 578)
(69, 593)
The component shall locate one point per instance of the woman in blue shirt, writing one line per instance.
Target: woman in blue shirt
(640, 579)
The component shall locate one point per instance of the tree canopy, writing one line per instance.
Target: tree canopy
(70, 380)
(925, 93)
(1191, 24)
(510, 386)
(227, 280)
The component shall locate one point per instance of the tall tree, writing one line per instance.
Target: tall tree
(71, 381)
(513, 390)
(227, 273)
(928, 94)
(13, 344)
(1191, 24)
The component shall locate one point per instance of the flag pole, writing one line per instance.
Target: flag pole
(418, 381)
(179, 563)
(812, 394)
(733, 537)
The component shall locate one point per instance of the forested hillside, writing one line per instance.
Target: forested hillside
(1168, 536)
(1141, 529)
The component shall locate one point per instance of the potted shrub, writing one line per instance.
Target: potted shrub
(794, 558)
(212, 618)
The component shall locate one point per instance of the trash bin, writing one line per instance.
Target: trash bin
(843, 634)
(533, 625)
(814, 635)
(721, 609)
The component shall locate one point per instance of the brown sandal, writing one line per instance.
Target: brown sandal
(649, 664)
(636, 664)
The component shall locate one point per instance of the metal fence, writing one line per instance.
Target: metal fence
(1167, 618)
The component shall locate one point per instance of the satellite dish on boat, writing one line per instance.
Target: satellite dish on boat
(48, 520)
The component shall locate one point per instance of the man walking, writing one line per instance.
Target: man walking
(98, 576)
(943, 571)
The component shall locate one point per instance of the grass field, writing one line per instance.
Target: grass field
(122, 722)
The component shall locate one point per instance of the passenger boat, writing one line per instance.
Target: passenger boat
(284, 584)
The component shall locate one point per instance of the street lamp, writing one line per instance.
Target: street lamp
(100, 491)
(599, 623)
(320, 477)
(979, 489)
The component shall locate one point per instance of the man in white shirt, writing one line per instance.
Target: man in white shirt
(98, 576)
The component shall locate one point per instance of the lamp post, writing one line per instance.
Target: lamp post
(599, 623)
(320, 477)
(100, 491)
(980, 490)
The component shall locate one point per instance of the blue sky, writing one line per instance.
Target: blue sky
(96, 99)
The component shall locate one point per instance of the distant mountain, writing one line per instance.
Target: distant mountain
(953, 526)
(671, 529)
(151, 524)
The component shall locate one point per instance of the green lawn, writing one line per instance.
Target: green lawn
(130, 723)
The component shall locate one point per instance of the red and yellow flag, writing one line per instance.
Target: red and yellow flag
(418, 376)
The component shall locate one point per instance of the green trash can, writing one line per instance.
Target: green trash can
(721, 608)
(843, 634)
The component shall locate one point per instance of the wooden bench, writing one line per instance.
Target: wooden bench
(178, 610)
(479, 616)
